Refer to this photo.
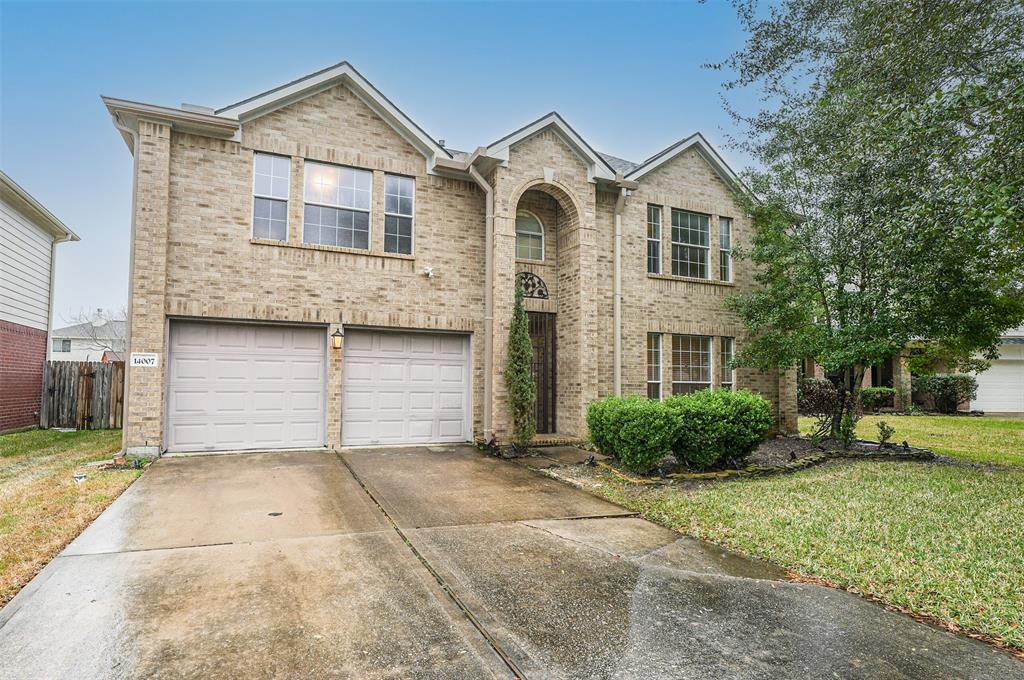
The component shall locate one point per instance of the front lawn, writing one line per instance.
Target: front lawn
(980, 439)
(936, 540)
(42, 508)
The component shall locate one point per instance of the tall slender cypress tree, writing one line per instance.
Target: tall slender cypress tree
(522, 392)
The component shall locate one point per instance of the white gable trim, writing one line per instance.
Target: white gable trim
(698, 142)
(320, 81)
(597, 167)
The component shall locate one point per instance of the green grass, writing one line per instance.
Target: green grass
(42, 508)
(937, 540)
(978, 439)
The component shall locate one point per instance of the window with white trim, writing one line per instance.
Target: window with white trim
(654, 239)
(337, 209)
(654, 366)
(690, 244)
(727, 375)
(691, 363)
(529, 236)
(399, 199)
(725, 248)
(270, 196)
(62, 344)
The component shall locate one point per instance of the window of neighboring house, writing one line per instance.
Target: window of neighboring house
(725, 248)
(337, 210)
(653, 239)
(62, 344)
(726, 379)
(654, 366)
(399, 193)
(270, 196)
(691, 363)
(529, 236)
(690, 244)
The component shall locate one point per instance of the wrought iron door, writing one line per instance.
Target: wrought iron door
(542, 336)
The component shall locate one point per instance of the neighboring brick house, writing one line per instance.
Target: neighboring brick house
(265, 230)
(29, 234)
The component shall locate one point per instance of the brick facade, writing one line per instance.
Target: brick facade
(22, 358)
(194, 256)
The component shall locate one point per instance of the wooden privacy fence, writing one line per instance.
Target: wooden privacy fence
(85, 395)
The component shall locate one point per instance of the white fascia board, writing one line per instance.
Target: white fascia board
(693, 141)
(36, 212)
(315, 83)
(597, 168)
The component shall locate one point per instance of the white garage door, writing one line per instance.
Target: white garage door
(405, 388)
(237, 386)
(1001, 388)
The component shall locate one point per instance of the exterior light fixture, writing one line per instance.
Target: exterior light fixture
(336, 338)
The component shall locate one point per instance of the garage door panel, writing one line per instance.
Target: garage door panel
(1001, 387)
(419, 384)
(238, 386)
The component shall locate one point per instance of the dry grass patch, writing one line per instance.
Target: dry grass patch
(42, 508)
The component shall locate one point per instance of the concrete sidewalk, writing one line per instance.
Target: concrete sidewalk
(431, 562)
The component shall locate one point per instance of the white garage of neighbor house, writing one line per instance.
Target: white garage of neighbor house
(1001, 387)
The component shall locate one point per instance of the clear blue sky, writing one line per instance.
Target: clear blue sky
(627, 77)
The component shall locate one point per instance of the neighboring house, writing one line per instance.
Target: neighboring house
(99, 340)
(1001, 387)
(29, 234)
(310, 269)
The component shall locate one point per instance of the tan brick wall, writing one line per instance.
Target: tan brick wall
(194, 257)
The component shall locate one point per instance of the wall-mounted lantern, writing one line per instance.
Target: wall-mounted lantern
(336, 338)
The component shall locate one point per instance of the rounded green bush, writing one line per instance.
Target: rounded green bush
(718, 424)
(635, 430)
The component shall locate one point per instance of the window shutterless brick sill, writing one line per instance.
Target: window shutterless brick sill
(328, 249)
(691, 279)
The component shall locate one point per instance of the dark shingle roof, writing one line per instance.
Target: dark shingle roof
(619, 164)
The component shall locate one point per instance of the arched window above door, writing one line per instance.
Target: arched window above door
(529, 236)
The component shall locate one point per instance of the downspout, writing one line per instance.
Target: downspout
(131, 272)
(488, 299)
(620, 204)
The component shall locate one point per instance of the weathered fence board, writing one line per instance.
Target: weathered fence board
(84, 395)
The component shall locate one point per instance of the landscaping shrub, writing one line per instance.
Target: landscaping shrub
(522, 391)
(874, 398)
(718, 424)
(636, 430)
(815, 396)
(947, 390)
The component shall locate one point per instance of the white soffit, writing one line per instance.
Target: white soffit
(698, 142)
(597, 167)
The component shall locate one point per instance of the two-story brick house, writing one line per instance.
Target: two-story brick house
(311, 269)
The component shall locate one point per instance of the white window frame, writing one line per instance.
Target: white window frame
(411, 215)
(706, 249)
(724, 363)
(652, 240)
(708, 344)
(62, 342)
(725, 248)
(661, 361)
(319, 204)
(543, 236)
(287, 199)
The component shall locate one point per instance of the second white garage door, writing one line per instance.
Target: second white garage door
(1001, 387)
(405, 388)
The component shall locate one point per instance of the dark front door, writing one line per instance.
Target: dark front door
(542, 335)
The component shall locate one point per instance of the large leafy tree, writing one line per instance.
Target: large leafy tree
(888, 201)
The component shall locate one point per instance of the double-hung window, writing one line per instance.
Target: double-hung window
(62, 344)
(725, 248)
(270, 196)
(337, 210)
(690, 244)
(399, 197)
(726, 378)
(653, 239)
(654, 366)
(529, 236)
(691, 363)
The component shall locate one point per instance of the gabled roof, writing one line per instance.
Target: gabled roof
(694, 141)
(109, 329)
(342, 73)
(597, 167)
(12, 193)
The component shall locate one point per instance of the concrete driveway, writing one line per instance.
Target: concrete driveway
(430, 562)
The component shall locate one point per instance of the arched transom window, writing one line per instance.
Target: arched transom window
(529, 236)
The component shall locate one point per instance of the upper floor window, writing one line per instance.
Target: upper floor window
(726, 379)
(337, 210)
(399, 193)
(654, 366)
(653, 239)
(62, 344)
(691, 363)
(690, 244)
(725, 248)
(529, 236)
(270, 196)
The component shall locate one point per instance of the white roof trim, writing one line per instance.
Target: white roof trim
(693, 141)
(597, 167)
(11, 191)
(315, 83)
